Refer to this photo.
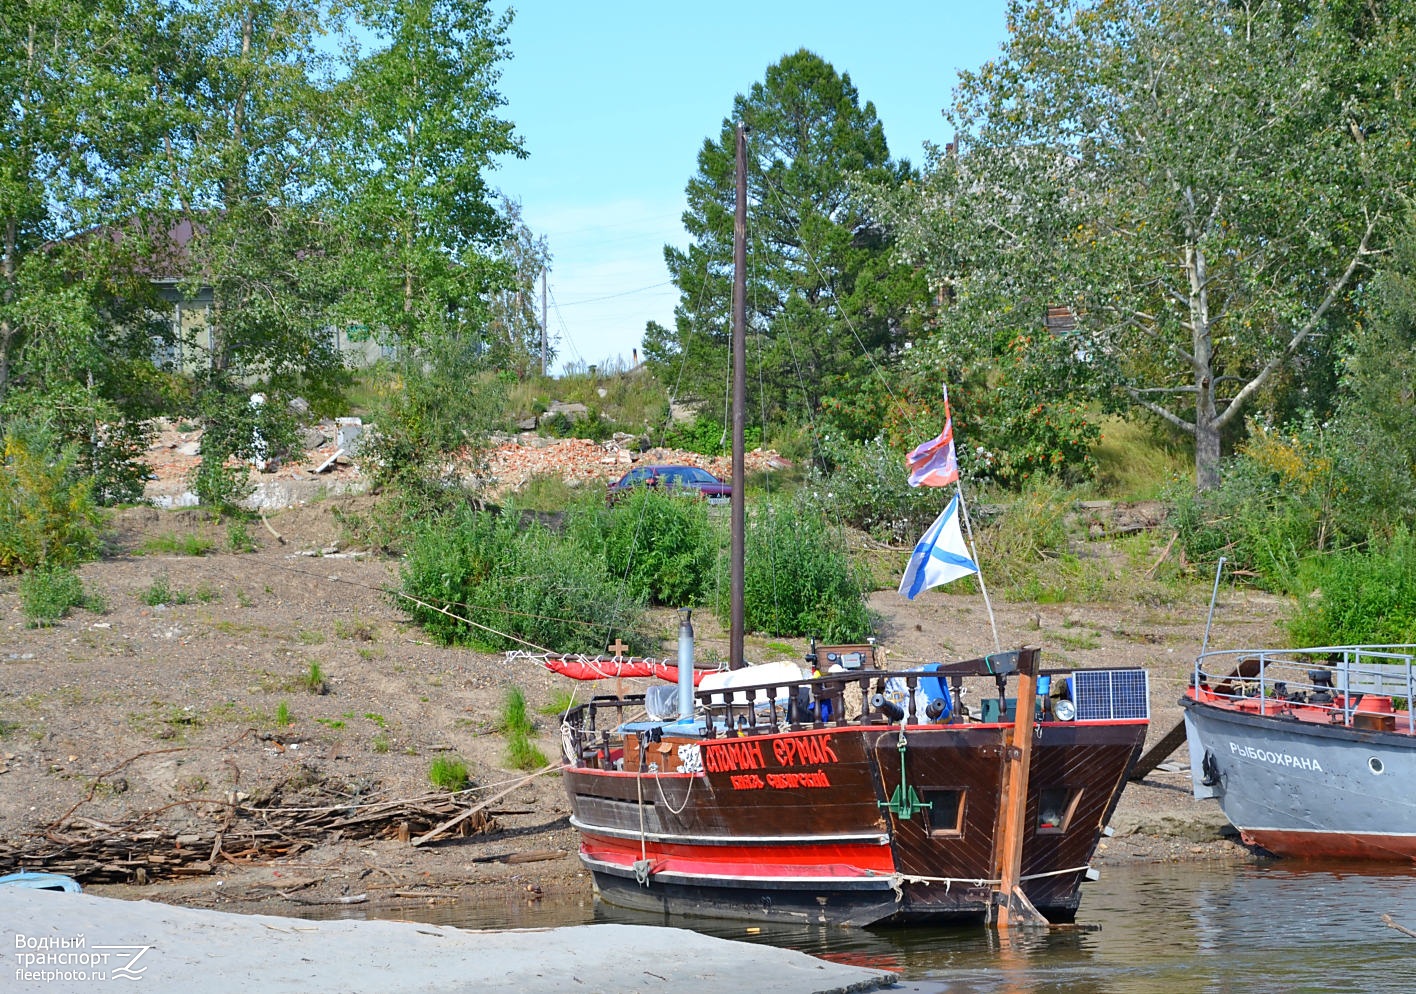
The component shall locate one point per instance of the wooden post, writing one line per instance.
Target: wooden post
(618, 649)
(1012, 905)
(737, 625)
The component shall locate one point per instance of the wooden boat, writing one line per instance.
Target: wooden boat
(844, 792)
(1310, 752)
(839, 799)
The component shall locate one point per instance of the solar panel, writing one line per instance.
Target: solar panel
(1111, 695)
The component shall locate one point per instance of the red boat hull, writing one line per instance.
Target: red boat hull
(798, 826)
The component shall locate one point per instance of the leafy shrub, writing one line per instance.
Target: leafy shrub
(865, 485)
(448, 773)
(238, 537)
(661, 546)
(47, 513)
(428, 413)
(1279, 499)
(220, 486)
(235, 427)
(1038, 413)
(1030, 531)
(485, 580)
(798, 579)
(593, 426)
(708, 436)
(1018, 440)
(47, 593)
(108, 446)
(1359, 598)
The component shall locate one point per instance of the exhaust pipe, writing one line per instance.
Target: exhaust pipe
(685, 664)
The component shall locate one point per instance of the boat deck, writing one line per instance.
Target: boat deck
(1362, 687)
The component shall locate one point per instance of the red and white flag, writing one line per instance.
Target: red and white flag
(933, 464)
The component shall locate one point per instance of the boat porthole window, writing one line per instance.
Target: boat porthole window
(1375, 765)
(1055, 806)
(945, 812)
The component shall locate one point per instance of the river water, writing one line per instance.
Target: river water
(1147, 929)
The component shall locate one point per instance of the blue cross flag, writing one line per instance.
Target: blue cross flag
(940, 556)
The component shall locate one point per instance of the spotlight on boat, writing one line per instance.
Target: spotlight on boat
(1321, 678)
(1064, 710)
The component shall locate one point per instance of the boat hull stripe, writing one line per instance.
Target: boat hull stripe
(831, 861)
(734, 840)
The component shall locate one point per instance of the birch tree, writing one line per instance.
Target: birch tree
(74, 123)
(1204, 185)
(420, 131)
(247, 126)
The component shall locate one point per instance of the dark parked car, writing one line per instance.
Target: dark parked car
(681, 479)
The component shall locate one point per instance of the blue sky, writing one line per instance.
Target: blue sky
(613, 101)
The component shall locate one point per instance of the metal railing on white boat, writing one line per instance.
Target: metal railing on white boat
(1369, 685)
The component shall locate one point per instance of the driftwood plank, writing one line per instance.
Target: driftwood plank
(459, 819)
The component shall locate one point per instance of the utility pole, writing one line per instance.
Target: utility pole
(543, 322)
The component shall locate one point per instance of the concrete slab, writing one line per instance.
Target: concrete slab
(53, 942)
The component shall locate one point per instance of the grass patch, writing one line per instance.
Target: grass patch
(522, 754)
(239, 538)
(634, 403)
(1078, 641)
(547, 492)
(237, 628)
(515, 723)
(161, 591)
(308, 636)
(177, 545)
(314, 679)
(561, 701)
(231, 711)
(1366, 597)
(356, 630)
(448, 773)
(47, 593)
(1136, 461)
(283, 717)
(513, 718)
(380, 743)
(331, 722)
(166, 721)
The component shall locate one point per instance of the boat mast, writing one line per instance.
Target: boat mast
(739, 515)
